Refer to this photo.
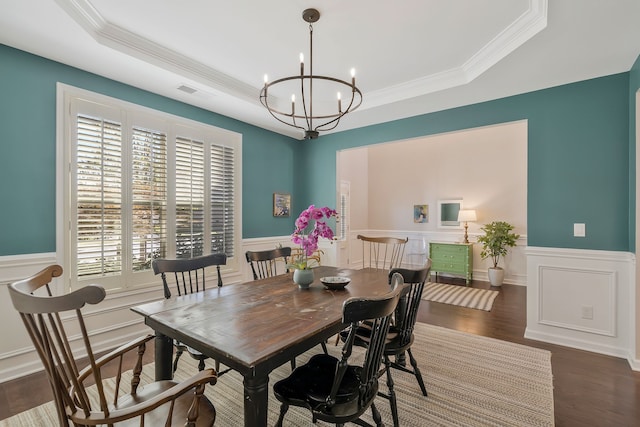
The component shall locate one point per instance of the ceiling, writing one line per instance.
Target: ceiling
(412, 57)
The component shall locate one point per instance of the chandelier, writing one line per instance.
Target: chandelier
(304, 114)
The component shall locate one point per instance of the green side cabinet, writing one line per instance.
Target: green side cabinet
(452, 258)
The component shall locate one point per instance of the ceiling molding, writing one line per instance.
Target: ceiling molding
(115, 37)
(515, 35)
(108, 34)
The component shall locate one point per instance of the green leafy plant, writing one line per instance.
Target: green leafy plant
(496, 240)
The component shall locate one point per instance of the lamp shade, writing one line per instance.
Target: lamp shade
(466, 215)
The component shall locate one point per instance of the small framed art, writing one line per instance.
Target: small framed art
(281, 204)
(420, 213)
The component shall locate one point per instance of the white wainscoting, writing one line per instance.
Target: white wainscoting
(582, 299)
(417, 250)
(560, 282)
(111, 323)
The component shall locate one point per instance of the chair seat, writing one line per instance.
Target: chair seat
(207, 412)
(310, 384)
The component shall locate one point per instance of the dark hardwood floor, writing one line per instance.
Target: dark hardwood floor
(589, 389)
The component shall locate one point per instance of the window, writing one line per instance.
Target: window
(142, 184)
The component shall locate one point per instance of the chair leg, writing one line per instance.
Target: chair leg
(417, 373)
(283, 410)
(392, 392)
(376, 415)
(179, 351)
(324, 347)
(293, 363)
(201, 364)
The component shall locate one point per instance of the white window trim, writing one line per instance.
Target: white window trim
(64, 95)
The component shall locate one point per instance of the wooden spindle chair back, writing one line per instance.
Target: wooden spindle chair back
(264, 263)
(81, 396)
(187, 274)
(383, 253)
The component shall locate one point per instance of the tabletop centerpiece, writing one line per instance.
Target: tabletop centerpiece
(308, 242)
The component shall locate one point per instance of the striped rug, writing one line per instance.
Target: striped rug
(480, 299)
(472, 381)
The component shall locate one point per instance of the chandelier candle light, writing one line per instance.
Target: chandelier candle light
(304, 119)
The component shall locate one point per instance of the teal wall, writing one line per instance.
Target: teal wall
(580, 144)
(634, 86)
(578, 157)
(28, 151)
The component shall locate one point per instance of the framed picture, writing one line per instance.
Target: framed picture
(448, 213)
(281, 204)
(420, 214)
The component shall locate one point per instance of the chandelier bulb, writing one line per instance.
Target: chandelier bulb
(301, 58)
(266, 79)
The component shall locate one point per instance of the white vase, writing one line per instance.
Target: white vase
(496, 276)
(303, 278)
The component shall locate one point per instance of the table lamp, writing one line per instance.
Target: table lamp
(466, 215)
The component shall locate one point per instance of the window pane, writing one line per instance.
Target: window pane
(190, 201)
(149, 197)
(99, 196)
(222, 199)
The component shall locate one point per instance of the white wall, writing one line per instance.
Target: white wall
(486, 167)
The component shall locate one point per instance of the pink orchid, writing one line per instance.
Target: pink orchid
(309, 242)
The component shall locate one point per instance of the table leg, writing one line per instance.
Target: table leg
(256, 400)
(163, 354)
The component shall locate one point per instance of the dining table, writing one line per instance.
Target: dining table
(256, 326)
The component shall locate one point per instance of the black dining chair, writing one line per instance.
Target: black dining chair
(331, 388)
(187, 275)
(264, 263)
(400, 336)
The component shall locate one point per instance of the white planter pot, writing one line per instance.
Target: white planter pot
(496, 276)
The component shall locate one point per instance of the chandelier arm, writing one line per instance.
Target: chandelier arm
(273, 112)
(337, 118)
(304, 102)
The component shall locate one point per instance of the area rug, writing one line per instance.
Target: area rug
(480, 299)
(471, 381)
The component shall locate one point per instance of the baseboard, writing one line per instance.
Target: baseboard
(576, 343)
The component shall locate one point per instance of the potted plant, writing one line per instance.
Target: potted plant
(308, 241)
(496, 241)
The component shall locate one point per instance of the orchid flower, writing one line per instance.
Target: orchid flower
(308, 242)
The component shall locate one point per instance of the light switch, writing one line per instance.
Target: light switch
(579, 230)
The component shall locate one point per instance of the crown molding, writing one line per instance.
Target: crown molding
(531, 22)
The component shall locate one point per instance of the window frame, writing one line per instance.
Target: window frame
(131, 115)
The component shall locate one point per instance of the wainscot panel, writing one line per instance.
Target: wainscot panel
(582, 299)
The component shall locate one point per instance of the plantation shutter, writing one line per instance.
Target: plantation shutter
(149, 197)
(190, 197)
(99, 196)
(222, 199)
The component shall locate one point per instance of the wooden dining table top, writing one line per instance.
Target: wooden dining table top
(254, 327)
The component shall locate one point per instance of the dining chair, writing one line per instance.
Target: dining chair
(382, 253)
(400, 335)
(331, 388)
(83, 396)
(264, 263)
(187, 275)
